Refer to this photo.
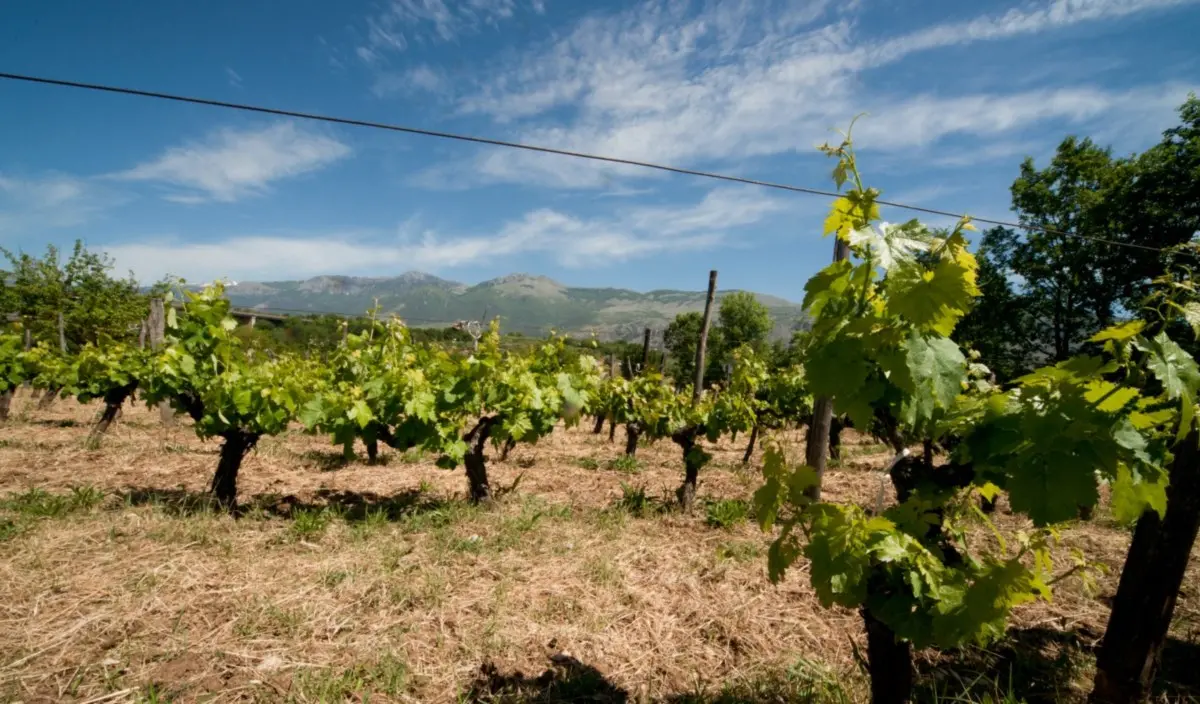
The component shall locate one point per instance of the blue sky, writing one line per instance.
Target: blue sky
(957, 94)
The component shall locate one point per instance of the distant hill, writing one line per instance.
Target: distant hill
(529, 304)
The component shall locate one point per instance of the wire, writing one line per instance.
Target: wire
(537, 148)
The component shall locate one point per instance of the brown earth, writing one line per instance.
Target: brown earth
(345, 580)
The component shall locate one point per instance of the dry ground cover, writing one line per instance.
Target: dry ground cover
(350, 581)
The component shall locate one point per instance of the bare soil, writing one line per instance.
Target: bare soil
(348, 580)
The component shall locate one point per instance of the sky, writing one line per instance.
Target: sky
(956, 95)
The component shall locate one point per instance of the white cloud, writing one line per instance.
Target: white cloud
(402, 22)
(661, 83)
(235, 79)
(924, 119)
(575, 241)
(50, 201)
(233, 164)
(422, 78)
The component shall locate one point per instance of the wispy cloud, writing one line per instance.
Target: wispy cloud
(402, 22)
(233, 164)
(418, 79)
(573, 240)
(235, 79)
(662, 83)
(31, 203)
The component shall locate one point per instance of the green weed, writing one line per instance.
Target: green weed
(625, 464)
(634, 500)
(309, 523)
(387, 676)
(589, 463)
(740, 551)
(726, 513)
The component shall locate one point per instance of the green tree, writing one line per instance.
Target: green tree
(744, 321)
(95, 305)
(1047, 293)
(999, 326)
(681, 337)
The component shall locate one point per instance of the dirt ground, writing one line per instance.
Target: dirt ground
(352, 581)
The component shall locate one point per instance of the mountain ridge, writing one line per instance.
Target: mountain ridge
(527, 303)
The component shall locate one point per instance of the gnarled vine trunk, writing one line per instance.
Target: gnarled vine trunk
(612, 429)
(509, 444)
(234, 449)
(477, 479)
(750, 445)
(633, 431)
(5, 404)
(836, 425)
(48, 397)
(1150, 581)
(889, 662)
(692, 462)
(113, 401)
(599, 425)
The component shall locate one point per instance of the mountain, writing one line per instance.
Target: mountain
(529, 304)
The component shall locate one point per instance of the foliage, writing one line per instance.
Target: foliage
(680, 339)
(1046, 293)
(880, 347)
(742, 320)
(47, 369)
(783, 396)
(13, 370)
(109, 373)
(202, 371)
(95, 306)
(377, 389)
(520, 397)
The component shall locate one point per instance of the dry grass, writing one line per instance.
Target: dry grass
(343, 580)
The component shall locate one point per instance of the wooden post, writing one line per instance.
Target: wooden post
(142, 337)
(28, 338)
(156, 327)
(703, 341)
(62, 334)
(816, 448)
(664, 354)
(646, 351)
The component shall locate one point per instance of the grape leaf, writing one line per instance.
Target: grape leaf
(932, 300)
(937, 369)
(1171, 365)
(1051, 487)
(1131, 497)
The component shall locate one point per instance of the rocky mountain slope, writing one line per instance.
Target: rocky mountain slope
(525, 303)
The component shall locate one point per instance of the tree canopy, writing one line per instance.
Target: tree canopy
(95, 305)
(1047, 292)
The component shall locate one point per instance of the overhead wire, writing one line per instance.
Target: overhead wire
(440, 134)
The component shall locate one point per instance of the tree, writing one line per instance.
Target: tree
(95, 306)
(681, 338)
(1068, 295)
(999, 327)
(743, 320)
(1046, 293)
